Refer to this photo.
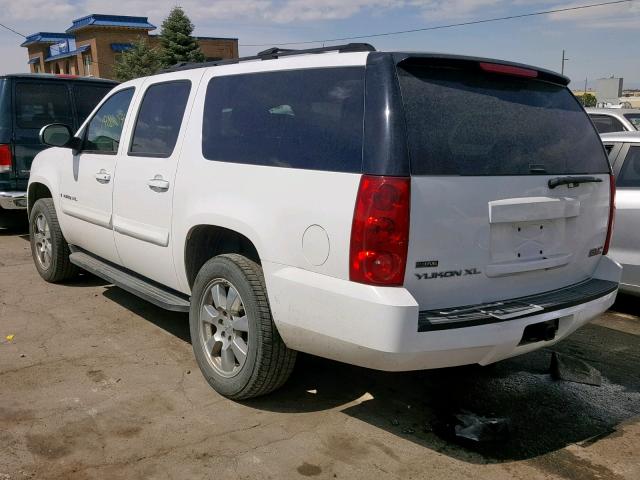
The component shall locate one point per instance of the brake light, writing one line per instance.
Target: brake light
(380, 231)
(5, 158)
(508, 70)
(612, 213)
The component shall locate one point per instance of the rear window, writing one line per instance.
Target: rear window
(630, 173)
(87, 97)
(634, 118)
(463, 122)
(607, 124)
(309, 119)
(39, 104)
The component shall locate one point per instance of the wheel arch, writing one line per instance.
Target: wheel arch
(205, 241)
(35, 192)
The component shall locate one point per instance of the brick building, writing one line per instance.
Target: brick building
(91, 45)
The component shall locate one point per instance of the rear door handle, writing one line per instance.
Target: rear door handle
(103, 176)
(158, 184)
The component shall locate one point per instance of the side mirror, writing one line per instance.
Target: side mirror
(58, 135)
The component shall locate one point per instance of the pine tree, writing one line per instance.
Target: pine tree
(139, 61)
(177, 43)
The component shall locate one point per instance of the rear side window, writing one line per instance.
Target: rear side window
(630, 172)
(87, 97)
(105, 128)
(607, 124)
(39, 104)
(159, 119)
(634, 118)
(463, 122)
(5, 111)
(309, 119)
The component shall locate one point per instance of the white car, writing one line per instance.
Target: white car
(609, 120)
(397, 211)
(624, 155)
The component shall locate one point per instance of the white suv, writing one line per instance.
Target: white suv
(397, 211)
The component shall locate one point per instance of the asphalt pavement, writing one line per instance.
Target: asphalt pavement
(95, 383)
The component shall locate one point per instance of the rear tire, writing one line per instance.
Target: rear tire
(234, 339)
(49, 249)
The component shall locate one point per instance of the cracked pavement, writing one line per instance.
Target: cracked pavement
(99, 384)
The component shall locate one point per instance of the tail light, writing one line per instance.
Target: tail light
(380, 231)
(508, 70)
(5, 158)
(612, 213)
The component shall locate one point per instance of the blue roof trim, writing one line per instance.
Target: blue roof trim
(33, 61)
(121, 47)
(45, 37)
(73, 53)
(122, 21)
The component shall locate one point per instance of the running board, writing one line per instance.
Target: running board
(145, 289)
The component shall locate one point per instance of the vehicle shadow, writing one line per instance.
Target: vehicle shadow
(543, 415)
(628, 304)
(177, 324)
(21, 231)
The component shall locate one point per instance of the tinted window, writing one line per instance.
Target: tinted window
(87, 97)
(463, 122)
(159, 119)
(5, 111)
(606, 124)
(308, 119)
(39, 104)
(104, 130)
(634, 118)
(630, 172)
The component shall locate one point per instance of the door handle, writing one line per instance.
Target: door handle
(103, 176)
(158, 184)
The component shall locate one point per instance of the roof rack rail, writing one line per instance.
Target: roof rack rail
(273, 53)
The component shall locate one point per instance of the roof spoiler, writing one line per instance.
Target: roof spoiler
(481, 64)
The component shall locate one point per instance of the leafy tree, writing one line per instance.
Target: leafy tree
(588, 100)
(139, 61)
(177, 43)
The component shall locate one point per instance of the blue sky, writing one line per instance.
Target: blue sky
(599, 42)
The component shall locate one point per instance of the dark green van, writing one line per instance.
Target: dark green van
(28, 102)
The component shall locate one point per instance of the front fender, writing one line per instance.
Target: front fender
(44, 171)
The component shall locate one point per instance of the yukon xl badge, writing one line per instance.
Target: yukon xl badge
(448, 274)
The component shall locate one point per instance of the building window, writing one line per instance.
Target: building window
(87, 65)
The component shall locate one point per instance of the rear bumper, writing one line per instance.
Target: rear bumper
(378, 327)
(13, 200)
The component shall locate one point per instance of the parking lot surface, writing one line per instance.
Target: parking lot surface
(95, 383)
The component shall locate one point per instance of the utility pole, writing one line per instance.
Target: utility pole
(564, 59)
(584, 97)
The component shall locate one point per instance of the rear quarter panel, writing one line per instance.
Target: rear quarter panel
(271, 206)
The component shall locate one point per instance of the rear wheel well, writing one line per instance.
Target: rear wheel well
(36, 192)
(208, 241)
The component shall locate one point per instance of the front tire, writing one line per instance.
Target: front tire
(49, 249)
(234, 339)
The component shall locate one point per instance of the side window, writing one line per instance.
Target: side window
(309, 119)
(87, 97)
(103, 131)
(606, 124)
(159, 119)
(630, 172)
(39, 104)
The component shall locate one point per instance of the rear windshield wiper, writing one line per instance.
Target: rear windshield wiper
(556, 182)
